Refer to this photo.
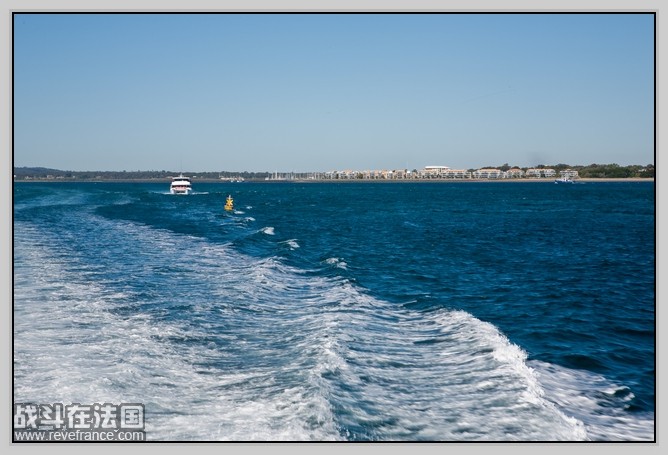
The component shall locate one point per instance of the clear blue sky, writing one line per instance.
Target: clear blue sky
(290, 92)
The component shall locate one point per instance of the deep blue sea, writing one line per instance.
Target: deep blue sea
(343, 311)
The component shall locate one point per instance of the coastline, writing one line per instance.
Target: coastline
(167, 181)
(520, 180)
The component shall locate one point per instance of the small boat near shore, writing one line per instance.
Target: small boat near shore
(180, 185)
(563, 180)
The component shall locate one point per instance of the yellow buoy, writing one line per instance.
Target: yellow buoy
(229, 203)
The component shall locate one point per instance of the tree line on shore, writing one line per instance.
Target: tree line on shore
(28, 173)
(594, 171)
(41, 173)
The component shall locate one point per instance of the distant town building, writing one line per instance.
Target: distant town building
(400, 174)
(569, 174)
(457, 174)
(488, 174)
(443, 172)
(514, 173)
(435, 171)
(538, 173)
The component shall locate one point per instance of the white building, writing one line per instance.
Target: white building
(488, 174)
(457, 174)
(569, 174)
(443, 172)
(435, 171)
(514, 173)
(538, 173)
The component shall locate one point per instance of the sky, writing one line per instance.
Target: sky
(319, 92)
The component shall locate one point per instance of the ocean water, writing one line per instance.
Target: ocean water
(343, 311)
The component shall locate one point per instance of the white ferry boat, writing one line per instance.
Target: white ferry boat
(180, 185)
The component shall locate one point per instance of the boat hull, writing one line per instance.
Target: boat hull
(180, 191)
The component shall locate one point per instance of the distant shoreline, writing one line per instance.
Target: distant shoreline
(520, 180)
(195, 181)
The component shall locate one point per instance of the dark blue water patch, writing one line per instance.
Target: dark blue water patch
(531, 258)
